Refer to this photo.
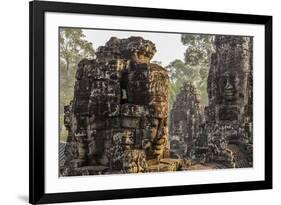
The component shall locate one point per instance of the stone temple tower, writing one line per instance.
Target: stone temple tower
(117, 121)
(229, 113)
(186, 119)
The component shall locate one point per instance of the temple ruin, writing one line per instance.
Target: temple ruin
(186, 120)
(223, 134)
(229, 114)
(117, 121)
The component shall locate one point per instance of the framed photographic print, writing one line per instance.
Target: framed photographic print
(140, 102)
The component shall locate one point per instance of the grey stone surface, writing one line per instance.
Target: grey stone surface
(118, 116)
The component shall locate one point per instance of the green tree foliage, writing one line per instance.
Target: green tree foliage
(195, 66)
(73, 48)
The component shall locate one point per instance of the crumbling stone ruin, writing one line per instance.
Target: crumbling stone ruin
(186, 119)
(229, 114)
(117, 121)
(222, 134)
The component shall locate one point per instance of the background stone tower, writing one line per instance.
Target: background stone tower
(229, 114)
(186, 118)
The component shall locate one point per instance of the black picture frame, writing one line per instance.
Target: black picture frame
(37, 9)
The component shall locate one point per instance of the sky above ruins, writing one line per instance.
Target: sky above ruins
(169, 46)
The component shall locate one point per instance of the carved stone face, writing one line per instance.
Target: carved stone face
(127, 141)
(152, 132)
(124, 139)
(229, 89)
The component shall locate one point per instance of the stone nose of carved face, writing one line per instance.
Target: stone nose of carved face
(228, 86)
(127, 141)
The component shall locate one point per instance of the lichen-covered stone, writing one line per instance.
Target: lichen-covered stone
(117, 121)
(229, 114)
(186, 117)
(118, 118)
(124, 157)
